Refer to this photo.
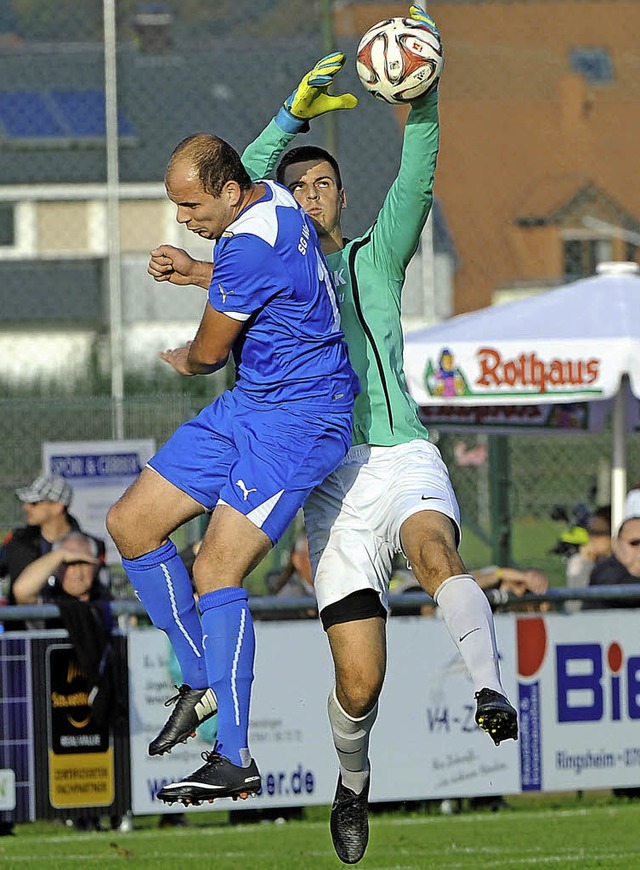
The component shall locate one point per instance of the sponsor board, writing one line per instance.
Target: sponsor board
(7, 789)
(80, 754)
(425, 743)
(579, 697)
(99, 472)
(289, 734)
(575, 679)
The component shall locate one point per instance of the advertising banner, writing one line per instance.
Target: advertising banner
(7, 790)
(579, 698)
(80, 765)
(289, 733)
(55, 762)
(425, 743)
(81, 759)
(99, 472)
(567, 418)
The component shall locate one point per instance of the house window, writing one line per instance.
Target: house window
(7, 225)
(594, 64)
(581, 256)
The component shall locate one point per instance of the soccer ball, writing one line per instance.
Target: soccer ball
(398, 60)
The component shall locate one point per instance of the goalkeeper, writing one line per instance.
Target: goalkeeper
(392, 492)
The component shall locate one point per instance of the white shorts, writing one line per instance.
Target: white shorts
(354, 517)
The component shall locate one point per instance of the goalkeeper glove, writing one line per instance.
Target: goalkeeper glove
(419, 14)
(311, 99)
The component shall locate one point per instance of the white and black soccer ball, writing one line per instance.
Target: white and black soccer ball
(398, 60)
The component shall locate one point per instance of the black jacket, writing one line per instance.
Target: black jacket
(25, 544)
(90, 625)
(611, 572)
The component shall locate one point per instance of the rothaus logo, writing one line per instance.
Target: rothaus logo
(595, 682)
(530, 370)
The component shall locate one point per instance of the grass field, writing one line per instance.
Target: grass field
(596, 831)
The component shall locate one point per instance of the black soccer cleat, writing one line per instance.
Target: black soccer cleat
(217, 778)
(350, 823)
(193, 707)
(496, 716)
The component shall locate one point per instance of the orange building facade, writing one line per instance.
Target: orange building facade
(540, 111)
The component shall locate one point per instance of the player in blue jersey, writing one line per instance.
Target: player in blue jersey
(251, 457)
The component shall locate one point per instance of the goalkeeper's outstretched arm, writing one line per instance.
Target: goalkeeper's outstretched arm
(310, 99)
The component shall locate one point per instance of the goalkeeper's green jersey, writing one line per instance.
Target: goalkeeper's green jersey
(369, 273)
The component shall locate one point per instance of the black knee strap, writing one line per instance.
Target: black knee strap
(363, 604)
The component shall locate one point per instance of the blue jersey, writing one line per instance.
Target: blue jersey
(269, 271)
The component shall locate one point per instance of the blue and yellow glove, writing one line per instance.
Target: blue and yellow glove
(311, 99)
(419, 14)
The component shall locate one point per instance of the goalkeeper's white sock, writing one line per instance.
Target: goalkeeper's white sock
(351, 740)
(468, 617)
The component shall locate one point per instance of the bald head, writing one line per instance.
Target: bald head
(209, 160)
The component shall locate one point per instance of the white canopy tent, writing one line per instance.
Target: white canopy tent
(576, 344)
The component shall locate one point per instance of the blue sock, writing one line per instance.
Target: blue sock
(164, 587)
(229, 648)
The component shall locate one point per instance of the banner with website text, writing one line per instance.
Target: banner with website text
(574, 678)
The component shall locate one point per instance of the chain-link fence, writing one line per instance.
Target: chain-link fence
(540, 473)
(539, 132)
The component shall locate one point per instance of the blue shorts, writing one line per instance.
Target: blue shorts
(263, 460)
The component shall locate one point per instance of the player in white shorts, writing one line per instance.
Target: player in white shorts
(355, 516)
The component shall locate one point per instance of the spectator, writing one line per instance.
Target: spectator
(596, 549)
(296, 577)
(516, 581)
(45, 503)
(70, 569)
(632, 502)
(623, 565)
(68, 576)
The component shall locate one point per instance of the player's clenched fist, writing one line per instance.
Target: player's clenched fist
(176, 266)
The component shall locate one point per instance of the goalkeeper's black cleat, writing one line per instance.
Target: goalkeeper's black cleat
(193, 707)
(496, 716)
(350, 823)
(217, 778)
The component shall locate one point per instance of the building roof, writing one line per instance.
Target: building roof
(165, 97)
